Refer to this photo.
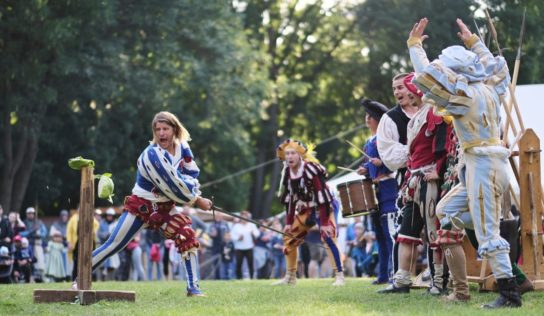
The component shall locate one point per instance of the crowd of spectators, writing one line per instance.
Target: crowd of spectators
(230, 249)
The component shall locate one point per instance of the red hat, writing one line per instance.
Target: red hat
(410, 86)
(17, 238)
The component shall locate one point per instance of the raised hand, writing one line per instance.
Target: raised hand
(464, 33)
(419, 28)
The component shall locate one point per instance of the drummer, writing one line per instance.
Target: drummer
(383, 220)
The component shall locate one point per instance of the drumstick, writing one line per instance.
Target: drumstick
(346, 169)
(359, 149)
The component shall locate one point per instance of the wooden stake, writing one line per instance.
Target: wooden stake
(530, 206)
(85, 229)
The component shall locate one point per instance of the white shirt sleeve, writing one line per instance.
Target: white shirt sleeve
(393, 154)
(419, 59)
(255, 231)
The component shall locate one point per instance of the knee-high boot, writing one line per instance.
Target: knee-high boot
(455, 257)
(509, 295)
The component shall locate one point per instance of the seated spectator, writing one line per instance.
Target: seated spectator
(371, 259)
(5, 230)
(6, 265)
(364, 252)
(16, 224)
(22, 266)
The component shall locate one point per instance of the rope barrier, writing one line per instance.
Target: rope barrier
(261, 165)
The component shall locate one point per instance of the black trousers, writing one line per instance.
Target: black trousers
(240, 255)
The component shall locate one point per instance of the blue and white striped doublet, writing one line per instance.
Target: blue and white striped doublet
(158, 169)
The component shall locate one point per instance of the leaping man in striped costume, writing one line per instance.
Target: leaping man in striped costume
(167, 174)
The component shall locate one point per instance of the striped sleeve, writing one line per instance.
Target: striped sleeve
(188, 165)
(316, 177)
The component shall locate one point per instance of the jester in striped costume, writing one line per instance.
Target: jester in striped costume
(467, 84)
(307, 201)
(167, 174)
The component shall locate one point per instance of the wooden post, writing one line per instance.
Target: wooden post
(531, 208)
(85, 234)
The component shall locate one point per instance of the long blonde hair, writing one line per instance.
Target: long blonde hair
(180, 132)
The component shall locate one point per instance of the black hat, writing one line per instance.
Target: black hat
(374, 108)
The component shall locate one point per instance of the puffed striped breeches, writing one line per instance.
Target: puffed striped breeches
(127, 227)
(475, 203)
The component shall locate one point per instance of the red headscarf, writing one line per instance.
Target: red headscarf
(410, 86)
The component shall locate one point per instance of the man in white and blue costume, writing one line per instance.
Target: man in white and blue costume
(167, 174)
(467, 84)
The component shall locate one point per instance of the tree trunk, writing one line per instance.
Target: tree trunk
(258, 182)
(22, 177)
(6, 177)
(19, 156)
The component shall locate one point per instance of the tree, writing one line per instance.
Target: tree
(507, 16)
(302, 43)
(108, 69)
(44, 48)
(385, 25)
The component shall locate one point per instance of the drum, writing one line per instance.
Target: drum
(358, 198)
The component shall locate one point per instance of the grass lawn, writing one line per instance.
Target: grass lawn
(308, 297)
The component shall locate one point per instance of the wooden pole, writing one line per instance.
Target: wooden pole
(85, 233)
(530, 208)
(85, 237)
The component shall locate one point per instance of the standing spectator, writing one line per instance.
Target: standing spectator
(216, 231)
(6, 265)
(243, 233)
(154, 244)
(227, 257)
(6, 233)
(71, 238)
(105, 229)
(35, 233)
(276, 245)
(136, 258)
(60, 226)
(262, 253)
(55, 267)
(97, 219)
(317, 266)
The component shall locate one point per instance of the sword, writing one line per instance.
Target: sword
(220, 210)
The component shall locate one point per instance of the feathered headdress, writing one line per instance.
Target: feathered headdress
(306, 152)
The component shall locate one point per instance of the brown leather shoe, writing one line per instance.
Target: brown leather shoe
(456, 298)
(526, 286)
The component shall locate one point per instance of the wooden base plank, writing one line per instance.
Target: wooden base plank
(83, 297)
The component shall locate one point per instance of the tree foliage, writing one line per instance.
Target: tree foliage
(106, 70)
(86, 77)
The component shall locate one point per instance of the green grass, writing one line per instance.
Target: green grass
(308, 297)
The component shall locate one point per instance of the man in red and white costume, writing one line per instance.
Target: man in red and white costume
(307, 201)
